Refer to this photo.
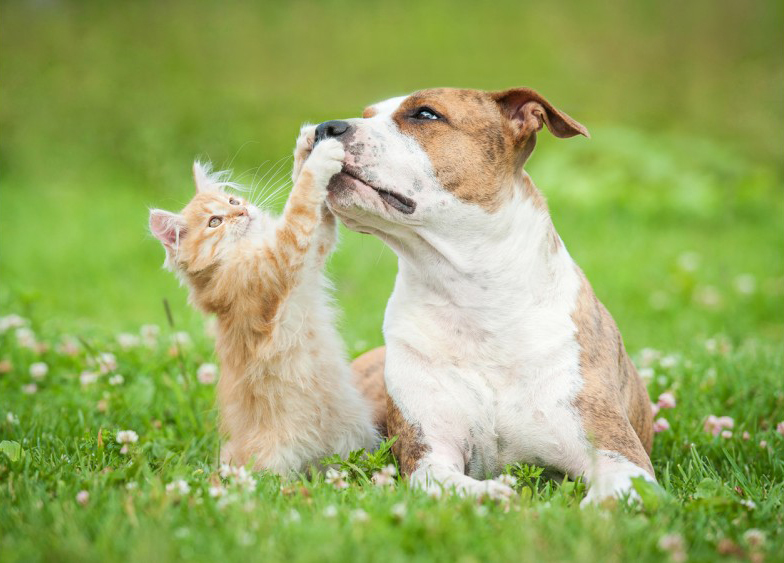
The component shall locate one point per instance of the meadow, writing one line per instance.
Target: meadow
(674, 209)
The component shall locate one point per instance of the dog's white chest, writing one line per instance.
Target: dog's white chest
(501, 381)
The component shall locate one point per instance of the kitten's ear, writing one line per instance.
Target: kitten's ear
(169, 228)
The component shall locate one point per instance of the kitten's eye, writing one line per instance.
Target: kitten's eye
(425, 113)
(233, 201)
(215, 221)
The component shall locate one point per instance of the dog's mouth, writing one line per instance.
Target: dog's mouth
(395, 200)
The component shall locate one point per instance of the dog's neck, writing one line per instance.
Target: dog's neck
(481, 259)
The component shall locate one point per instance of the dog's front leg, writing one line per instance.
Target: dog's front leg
(434, 428)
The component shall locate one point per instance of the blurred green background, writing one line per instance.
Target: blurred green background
(674, 208)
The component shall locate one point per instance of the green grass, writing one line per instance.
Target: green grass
(673, 208)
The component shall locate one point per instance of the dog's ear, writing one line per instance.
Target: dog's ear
(529, 112)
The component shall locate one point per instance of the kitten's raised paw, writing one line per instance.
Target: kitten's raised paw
(307, 135)
(325, 161)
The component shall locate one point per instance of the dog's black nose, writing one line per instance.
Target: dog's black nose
(329, 129)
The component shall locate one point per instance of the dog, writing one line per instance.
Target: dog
(497, 349)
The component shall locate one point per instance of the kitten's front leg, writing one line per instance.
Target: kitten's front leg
(303, 148)
(326, 233)
(303, 211)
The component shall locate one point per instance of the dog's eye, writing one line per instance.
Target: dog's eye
(214, 222)
(233, 201)
(425, 113)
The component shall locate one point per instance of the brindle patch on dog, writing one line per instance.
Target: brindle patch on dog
(613, 403)
(410, 446)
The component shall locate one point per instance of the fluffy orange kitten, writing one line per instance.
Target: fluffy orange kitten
(285, 393)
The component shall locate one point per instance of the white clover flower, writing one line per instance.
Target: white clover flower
(330, 511)
(116, 379)
(88, 378)
(11, 321)
(708, 296)
(216, 491)
(646, 374)
(745, 284)
(30, 389)
(38, 370)
(245, 480)
(226, 470)
(659, 300)
(207, 374)
(660, 425)
(359, 515)
(150, 335)
(726, 434)
(716, 424)
(127, 437)
(131, 485)
(181, 338)
(689, 261)
(385, 477)
(666, 400)
(179, 486)
(648, 356)
(293, 516)
(748, 503)
(336, 478)
(481, 511)
(506, 479)
(107, 362)
(398, 510)
(11, 418)
(83, 497)
(126, 340)
(26, 338)
(754, 537)
(674, 545)
(668, 362)
(68, 346)
(763, 444)
(711, 346)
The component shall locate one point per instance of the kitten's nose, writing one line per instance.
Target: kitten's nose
(329, 129)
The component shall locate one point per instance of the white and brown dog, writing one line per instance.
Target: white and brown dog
(497, 349)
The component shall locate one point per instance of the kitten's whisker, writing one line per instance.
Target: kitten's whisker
(276, 188)
(275, 193)
(270, 174)
(236, 154)
(274, 175)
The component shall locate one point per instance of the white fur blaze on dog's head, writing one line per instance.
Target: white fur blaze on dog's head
(432, 157)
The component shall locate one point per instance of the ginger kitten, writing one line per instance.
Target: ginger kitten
(285, 393)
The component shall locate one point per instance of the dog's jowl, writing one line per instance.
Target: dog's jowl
(497, 349)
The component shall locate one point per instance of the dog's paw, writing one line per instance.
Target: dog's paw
(610, 489)
(325, 161)
(494, 490)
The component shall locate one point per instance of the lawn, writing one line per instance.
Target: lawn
(674, 209)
